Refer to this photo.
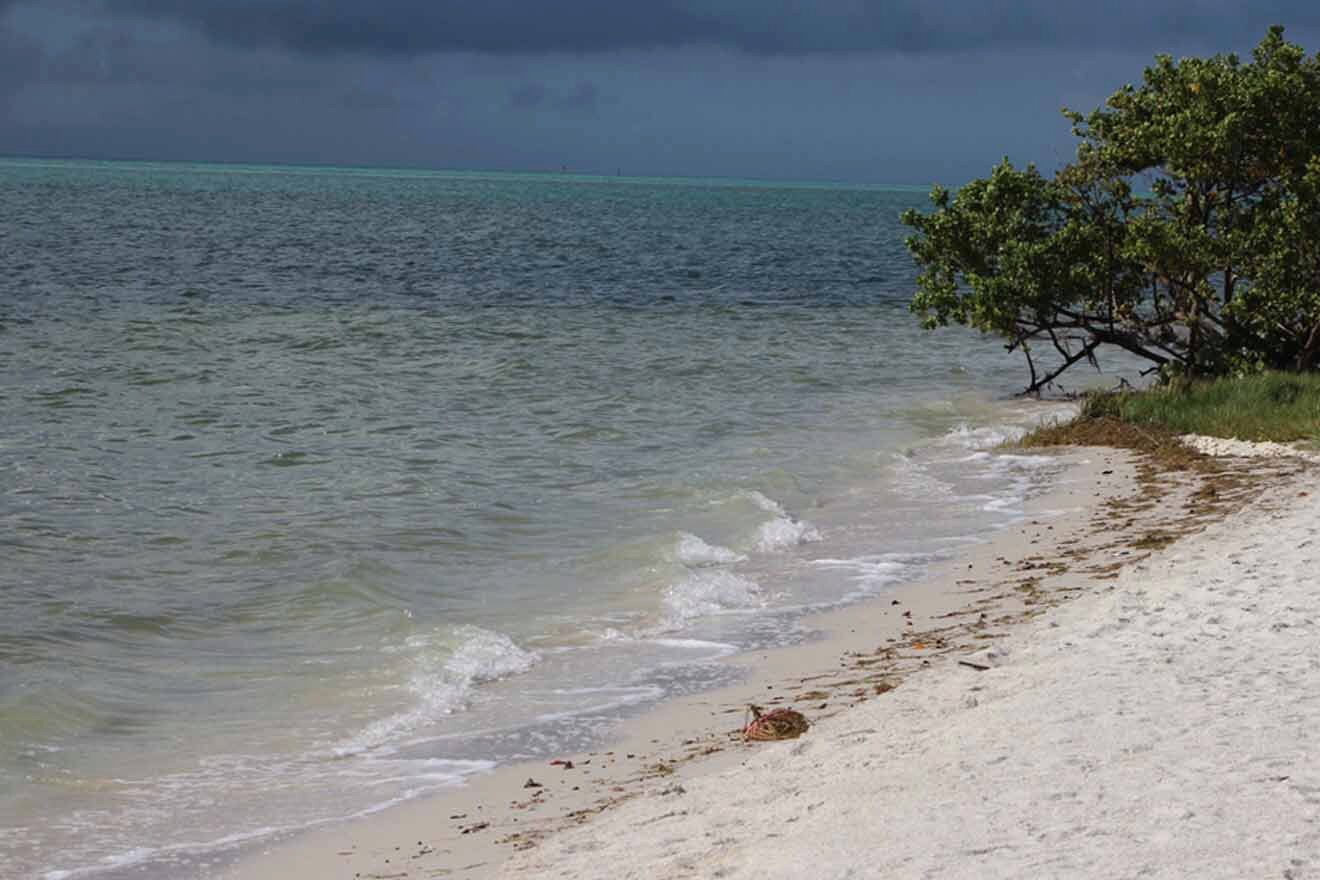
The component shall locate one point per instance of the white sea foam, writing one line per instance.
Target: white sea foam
(990, 436)
(976, 447)
(767, 504)
(719, 649)
(592, 701)
(712, 591)
(913, 480)
(692, 650)
(1014, 461)
(695, 651)
(1022, 471)
(694, 551)
(985, 437)
(437, 771)
(446, 667)
(785, 530)
(487, 656)
(1008, 504)
(873, 573)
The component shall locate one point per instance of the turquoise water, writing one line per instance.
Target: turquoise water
(323, 488)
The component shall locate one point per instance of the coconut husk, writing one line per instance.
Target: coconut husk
(777, 724)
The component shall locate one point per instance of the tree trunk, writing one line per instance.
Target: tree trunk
(1306, 357)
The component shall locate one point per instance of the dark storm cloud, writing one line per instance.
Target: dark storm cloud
(21, 59)
(583, 99)
(770, 27)
(896, 92)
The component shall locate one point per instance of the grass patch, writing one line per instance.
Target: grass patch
(1277, 407)
(1282, 407)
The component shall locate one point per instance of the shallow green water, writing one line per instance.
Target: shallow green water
(320, 488)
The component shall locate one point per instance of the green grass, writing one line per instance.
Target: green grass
(1282, 407)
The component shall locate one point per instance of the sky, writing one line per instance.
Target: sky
(877, 91)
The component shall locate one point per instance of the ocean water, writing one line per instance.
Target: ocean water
(321, 489)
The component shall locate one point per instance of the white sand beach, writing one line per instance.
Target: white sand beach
(1166, 726)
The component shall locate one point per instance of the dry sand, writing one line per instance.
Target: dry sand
(1148, 710)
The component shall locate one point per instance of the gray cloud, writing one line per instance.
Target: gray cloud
(769, 27)
(583, 99)
(21, 61)
(529, 96)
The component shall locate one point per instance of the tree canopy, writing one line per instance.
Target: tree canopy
(1186, 232)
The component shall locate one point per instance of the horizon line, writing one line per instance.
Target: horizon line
(563, 172)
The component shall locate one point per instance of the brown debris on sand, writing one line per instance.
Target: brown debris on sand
(779, 724)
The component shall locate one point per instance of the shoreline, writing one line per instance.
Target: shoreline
(1111, 510)
(859, 653)
(1160, 725)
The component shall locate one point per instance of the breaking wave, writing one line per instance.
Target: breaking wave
(446, 667)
